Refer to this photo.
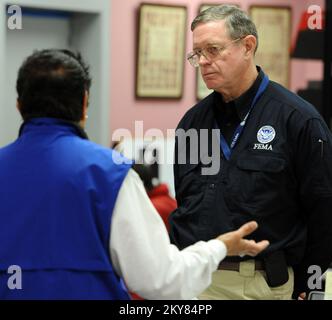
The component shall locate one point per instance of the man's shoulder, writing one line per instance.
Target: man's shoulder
(91, 146)
(101, 153)
(289, 99)
(6, 148)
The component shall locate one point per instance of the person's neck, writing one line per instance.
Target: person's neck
(241, 86)
(82, 123)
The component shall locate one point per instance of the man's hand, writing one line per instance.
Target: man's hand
(236, 245)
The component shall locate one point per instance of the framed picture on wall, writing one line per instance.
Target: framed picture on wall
(274, 35)
(161, 51)
(201, 90)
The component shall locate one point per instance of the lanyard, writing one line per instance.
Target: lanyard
(226, 149)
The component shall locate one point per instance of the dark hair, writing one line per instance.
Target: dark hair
(145, 173)
(52, 83)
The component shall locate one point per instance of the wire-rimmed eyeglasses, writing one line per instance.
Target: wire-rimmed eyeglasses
(210, 53)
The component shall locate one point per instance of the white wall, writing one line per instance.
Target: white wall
(85, 30)
(38, 32)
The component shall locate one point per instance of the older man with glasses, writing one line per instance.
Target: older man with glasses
(274, 155)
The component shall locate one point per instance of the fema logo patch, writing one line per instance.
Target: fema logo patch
(266, 134)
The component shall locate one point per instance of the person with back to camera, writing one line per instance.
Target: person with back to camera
(272, 162)
(75, 217)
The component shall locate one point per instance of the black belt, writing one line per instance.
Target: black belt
(235, 266)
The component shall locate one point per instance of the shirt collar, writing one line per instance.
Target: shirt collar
(242, 103)
(71, 126)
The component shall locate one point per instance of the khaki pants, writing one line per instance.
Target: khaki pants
(247, 284)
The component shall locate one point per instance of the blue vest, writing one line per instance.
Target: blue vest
(57, 194)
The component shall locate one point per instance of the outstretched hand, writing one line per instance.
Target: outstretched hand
(236, 245)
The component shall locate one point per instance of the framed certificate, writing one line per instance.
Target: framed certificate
(161, 51)
(274, 34)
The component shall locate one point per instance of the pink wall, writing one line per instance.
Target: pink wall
(165, 114)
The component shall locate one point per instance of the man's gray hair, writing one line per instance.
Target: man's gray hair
(237, 22)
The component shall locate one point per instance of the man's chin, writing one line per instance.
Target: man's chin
(210, 86)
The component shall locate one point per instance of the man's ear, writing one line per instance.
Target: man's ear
(85, 104)
(18, 106)
(250, 43)
(86, 98)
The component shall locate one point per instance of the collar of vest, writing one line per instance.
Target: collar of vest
(49, 122)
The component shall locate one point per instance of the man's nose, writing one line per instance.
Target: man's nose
(203, 60)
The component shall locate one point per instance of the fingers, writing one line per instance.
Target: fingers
(247, 228)
(252, 248)
(236, 245)
(262, 245)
